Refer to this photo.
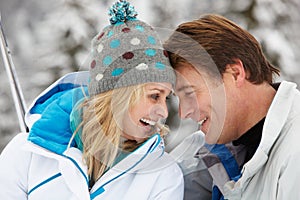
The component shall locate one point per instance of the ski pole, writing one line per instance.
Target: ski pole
(17, 94)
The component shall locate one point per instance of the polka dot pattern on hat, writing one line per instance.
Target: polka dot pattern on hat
(117, 71)
(139, 28)
(115, 43)
(142, 66)
(150, 52)
(93, 64)
(107, 60)
(135, 41)
(100, 36)
(99, 48)
(160, 65)
(151, 40)
(110, 33)
(126, 30)
(127, 53)
(99, 77)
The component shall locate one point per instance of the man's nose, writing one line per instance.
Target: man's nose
(184, 111)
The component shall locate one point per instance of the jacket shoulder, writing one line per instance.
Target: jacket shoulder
(14, 166)
(16, 144)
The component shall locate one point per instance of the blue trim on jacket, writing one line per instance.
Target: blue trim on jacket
(101, 189)
(228, 161)
(44, 182)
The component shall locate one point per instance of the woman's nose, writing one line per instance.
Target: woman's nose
(161, 110)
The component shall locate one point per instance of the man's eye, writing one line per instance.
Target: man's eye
(189, 93)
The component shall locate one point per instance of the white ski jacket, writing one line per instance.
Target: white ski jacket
(273, 172)
(37, 165)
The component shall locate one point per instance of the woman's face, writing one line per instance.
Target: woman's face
(148, 110)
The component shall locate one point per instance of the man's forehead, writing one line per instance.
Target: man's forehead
(186, 77)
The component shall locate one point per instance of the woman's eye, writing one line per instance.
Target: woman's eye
(155, 96)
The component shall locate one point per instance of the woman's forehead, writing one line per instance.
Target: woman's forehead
(158, 86)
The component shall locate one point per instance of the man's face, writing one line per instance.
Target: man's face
(203, 99)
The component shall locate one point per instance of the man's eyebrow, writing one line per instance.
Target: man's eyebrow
(184, 87)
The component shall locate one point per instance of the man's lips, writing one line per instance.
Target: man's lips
(200, 123)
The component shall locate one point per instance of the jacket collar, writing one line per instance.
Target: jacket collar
(49, 115)
(72, 167)
(139, 161)
(275, 120)
(76, 79)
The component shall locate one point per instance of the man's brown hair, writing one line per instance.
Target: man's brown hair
(213, 41)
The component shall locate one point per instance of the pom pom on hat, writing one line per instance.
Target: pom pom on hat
(121, 11)
(128, 52)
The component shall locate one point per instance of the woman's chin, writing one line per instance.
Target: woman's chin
(143, 134)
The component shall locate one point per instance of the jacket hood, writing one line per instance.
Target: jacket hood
(48, 118)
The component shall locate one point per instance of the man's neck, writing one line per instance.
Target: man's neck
(258, 99)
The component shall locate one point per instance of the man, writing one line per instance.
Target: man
(225, 83)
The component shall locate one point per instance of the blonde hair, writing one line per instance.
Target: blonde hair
(101, 133)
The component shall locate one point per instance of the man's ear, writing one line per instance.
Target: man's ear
(237, 70)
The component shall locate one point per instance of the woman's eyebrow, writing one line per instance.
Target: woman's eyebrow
(161, 90)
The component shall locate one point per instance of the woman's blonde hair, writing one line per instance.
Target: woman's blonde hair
(101, 133)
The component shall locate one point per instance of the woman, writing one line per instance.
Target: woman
(97, 135)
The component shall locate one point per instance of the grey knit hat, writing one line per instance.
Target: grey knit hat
(127, 52)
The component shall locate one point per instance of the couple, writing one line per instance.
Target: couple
(98, 134)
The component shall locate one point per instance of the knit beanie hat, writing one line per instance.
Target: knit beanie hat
(127, 52)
